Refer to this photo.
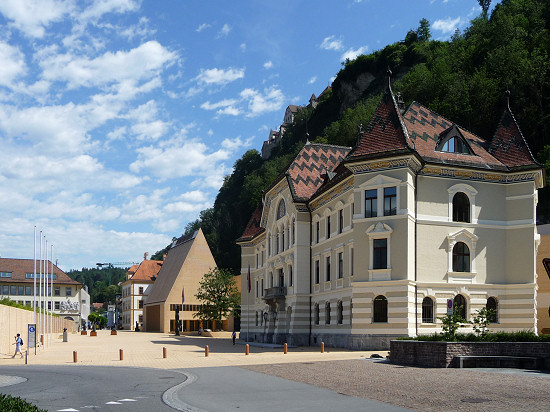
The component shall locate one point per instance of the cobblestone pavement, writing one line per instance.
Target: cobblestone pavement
(423, 389)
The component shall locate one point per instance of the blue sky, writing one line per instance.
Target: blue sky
(120, 118)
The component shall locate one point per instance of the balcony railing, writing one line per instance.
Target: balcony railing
(276, 292)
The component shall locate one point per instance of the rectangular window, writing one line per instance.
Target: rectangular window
(317, 232)
(56, 291)
(340, 265)
(140, 318)
(328, 268)
(49, 305)
(340, 220)
(371, 203)
(316, 271)
(380, 252)
(390, 201)
(257, 292)
(56, 305)
(262, 287)
(5, 290)
(140, 290)
(140, 304)
(13, 290)
(328, 227)
(351, 262)
(20, 290)
(68, 291)
(5, 274)
(28, 290)
(262, 257)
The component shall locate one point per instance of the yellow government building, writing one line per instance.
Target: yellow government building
(357, 246)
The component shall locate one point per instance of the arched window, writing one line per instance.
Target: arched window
(340, 313)
(380, 309)
(316, 313)
(327, 313)
(492, 305)
(461, 257)
(427, 310)
(281, 209)
(461, 207)
(459, 304)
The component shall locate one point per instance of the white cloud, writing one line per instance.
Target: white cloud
(331, 43)
(447, 25)
(220, 77)
(270, 100)
(13, 64)
(243, 47)
(224, 31)
(102, 7)
(236, 143)
(221, 104)
(202, 27)
(230, 111)
(268, 65)
(312, 80)
(352, 54)
(32, 17)
(144, 62)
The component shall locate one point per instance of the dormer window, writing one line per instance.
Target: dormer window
(452, 141)
(281, 210)
(455, 145)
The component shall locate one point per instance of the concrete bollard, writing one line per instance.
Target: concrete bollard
(322, 347)
(75, 357)
(206, 350)
(286, 348)
(121, 354)
(41, 340)
(247, 349)
(164, 352)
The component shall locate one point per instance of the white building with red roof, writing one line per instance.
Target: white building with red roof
(357, 246)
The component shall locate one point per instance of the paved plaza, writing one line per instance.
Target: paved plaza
(338, 372)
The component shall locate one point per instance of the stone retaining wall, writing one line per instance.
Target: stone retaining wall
(441, 354)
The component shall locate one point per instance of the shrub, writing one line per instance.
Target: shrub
(11, 404)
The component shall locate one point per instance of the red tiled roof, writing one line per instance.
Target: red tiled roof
(20, 267)
(385, 132)
(509, 145)
(253, 227)
(147, 270)
(308, 166)
(425, 127)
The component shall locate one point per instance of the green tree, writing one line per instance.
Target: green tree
(218, 295)
(484, 4)
(451, 323)
(482, 319)
(423, 31)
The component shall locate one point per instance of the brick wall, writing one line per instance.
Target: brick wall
(441, 354)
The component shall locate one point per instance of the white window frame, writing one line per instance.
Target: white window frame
(470, 240)
(379, 183)
(469, 191)
(379, 231)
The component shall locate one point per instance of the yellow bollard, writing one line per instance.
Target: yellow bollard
(286, 349)
(75, 357)
(247, 349)
(121, 354)
(206, 350)
(322, 347)
(164, 352)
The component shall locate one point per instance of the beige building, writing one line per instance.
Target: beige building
(69, 299)
(139, 280)
(543, 280)
(186, 262)
(356, 246)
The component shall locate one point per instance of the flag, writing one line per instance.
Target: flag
(248, 278)
(182, 294)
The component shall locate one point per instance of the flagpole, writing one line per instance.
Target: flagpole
(40, 292)
(34, 289)
(51, 296)
(45, 285)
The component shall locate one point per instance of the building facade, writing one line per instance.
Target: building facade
(139, 280)
(543, 280)
(17, 284)
(356, 246)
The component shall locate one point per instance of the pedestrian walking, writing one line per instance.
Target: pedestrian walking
(18, 343)
(234, 336)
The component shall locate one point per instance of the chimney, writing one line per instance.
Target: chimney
(145, 255)
(400, 103)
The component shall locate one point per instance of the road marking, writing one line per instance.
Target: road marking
(171, 399)
(127, 400)
(112, 403)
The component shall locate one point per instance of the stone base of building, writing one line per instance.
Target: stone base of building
(346, 341)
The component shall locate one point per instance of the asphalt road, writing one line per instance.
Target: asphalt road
(90, 388)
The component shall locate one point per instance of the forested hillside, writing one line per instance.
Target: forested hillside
(463, 79)
(102, 283)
